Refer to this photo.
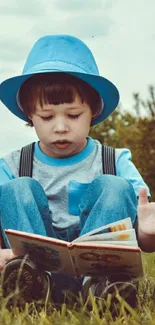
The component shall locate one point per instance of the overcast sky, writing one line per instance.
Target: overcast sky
(121, 35)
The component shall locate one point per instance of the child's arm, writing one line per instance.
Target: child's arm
(146, 222)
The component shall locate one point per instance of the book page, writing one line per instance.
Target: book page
(112, 227)
(122, 243)
(124, 236)
(102, 260)
(51, 254)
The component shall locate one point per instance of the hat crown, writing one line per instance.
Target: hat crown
(61, 49)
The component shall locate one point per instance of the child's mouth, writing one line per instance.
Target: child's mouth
(62, 144)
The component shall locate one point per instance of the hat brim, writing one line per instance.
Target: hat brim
(108, 91)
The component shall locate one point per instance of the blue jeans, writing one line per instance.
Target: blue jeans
(24, 207)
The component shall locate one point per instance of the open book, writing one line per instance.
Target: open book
(109, 249)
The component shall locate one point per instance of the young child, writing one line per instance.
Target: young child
(61, 94)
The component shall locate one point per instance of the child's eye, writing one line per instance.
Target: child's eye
(46, 118)
(73, 116)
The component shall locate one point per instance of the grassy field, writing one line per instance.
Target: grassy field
(144, 314)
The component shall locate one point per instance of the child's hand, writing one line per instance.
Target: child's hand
(5, 256)
(146, 213)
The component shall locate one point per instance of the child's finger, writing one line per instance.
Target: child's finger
(143, 196)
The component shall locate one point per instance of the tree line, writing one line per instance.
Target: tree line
(133, 130)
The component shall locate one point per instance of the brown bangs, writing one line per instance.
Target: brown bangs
(55, 88)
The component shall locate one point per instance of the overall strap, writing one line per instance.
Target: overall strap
(26, 160)
(108, 160)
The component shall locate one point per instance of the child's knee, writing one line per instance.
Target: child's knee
(21, 184)
(22, 188)
(115, 184)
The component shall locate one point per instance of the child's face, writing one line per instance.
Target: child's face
(62, 129)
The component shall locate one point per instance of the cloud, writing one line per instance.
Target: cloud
(76, 24)
(13, 132)
(18, 7)
(78, 5)
(8, 50)
(80, 20)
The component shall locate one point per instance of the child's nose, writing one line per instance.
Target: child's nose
(61, 126)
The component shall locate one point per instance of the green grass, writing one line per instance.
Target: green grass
(144, 314)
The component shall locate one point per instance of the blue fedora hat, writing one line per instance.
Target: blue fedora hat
(61, 53)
